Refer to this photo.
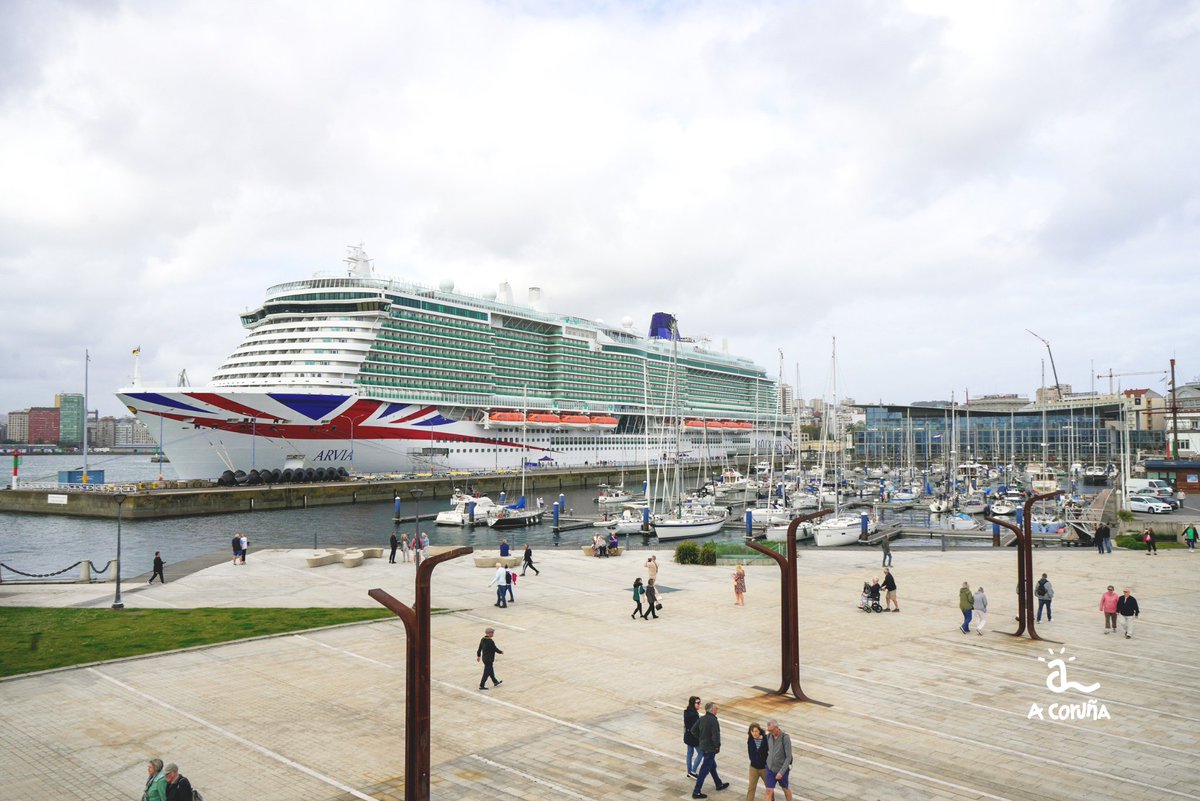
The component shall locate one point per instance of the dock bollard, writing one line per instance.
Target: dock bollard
(85, 572)
(866, 522)
(501, 497)
(646, 518)
(749, 522)
(562, 501)
(995, 534)
(471, 512)
(555, 509)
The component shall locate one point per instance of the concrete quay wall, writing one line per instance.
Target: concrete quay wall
(149, 501)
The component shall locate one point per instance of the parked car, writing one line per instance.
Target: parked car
(1145, 503)
(1169, 500)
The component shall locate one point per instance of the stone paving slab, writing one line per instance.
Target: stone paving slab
(591, 702)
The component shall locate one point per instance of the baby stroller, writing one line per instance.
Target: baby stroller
(869, 600)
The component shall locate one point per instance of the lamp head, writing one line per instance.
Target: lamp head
(120, 498)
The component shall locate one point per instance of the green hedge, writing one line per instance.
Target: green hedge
(1133, 541)
(689, 553)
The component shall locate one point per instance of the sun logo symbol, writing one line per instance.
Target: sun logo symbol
(1056, 679)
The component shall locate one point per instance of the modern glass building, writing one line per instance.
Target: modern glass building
(1061, 433)
(70, 418)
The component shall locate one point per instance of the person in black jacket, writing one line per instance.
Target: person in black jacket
(178, 786)
(756, 749)
(708, 732)
(1127, 610)
(690, 715)
(158, 569)
(486, 653)
(889, 585)
(395, 543)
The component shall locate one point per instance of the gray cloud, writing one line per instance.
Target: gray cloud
(924, 182)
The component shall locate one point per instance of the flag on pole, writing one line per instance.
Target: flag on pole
(137, 351)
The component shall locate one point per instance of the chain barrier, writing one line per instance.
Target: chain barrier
(44, 575)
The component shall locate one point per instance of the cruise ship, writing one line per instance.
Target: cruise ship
(351, 372)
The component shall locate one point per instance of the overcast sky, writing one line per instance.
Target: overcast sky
(924, 180)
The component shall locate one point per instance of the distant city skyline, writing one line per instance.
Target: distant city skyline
(928, 182)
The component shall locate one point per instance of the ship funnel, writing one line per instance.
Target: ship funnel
(535, 297)
(725, 344)
(506, 293)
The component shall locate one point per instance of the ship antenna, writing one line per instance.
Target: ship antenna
(360, 265)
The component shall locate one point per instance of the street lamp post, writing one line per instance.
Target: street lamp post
(120, 499)
(417, 493)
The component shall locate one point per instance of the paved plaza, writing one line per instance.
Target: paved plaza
(591, 704)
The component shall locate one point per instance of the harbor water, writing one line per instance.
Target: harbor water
(41, 544)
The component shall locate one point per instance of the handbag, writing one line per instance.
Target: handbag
(658, 606)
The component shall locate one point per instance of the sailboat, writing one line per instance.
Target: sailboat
(516, 515)
(839, 529)
(683, 521)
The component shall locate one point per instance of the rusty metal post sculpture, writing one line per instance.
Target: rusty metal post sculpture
(789, 609)
(417, 645)
(1024, 535)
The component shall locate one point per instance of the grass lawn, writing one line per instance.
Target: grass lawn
(38, 639)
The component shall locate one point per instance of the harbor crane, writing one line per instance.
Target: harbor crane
(1053, 369)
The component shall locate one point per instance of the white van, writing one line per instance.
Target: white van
(1159, 486)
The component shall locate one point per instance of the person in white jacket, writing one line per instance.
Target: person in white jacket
(980, 612)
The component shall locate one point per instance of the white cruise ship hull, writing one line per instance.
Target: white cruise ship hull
(207, 431)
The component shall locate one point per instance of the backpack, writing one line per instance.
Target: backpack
(1041, 589)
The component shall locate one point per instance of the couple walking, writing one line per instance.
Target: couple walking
(770, 754)
(973, 607)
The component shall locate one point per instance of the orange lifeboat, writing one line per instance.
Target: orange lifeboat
(576, 421)
(743, 426)
(505, 418)
(542, 420)
(717, 424)
(606, 423)
(694, 425)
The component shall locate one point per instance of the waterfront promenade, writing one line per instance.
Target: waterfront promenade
(590, 707)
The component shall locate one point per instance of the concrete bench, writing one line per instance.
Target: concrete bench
(587, 551)
(352, 558)
(372, 553)
(324, 557)
(490, 561)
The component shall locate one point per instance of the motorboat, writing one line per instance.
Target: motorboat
(459, 513)
(962, 522)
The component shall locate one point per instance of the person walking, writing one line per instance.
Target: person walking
(393, 541)
(1189, 536)
(512, 582)
(486, 653)
(424, 545)
(1044, 593)
(966, 602)
(1148, 538)
(527, 561)
(652, 602)
(652, 566)
(690, 715)
(779, 760)
(1098, 537)
(245, 543)
(756, 749)
(178, 786)
(979, 610)
(1108, 605)
(887, 552)
(500, 580)
(708, 731)
(638, 592)
(739, 586)
(158, 570)
(889, 586)
(237, 548)
(156, 782)
(1127, 610)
